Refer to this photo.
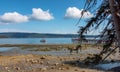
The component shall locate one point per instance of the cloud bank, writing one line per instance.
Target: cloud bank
(75, 13)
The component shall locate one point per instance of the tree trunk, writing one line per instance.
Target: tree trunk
(116, 20)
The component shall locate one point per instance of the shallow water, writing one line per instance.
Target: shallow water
(108, 66)
(56, 53)
(62, 52)
(2, 49)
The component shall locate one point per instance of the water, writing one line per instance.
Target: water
(35, 41)
(108, 65)
(2, 49)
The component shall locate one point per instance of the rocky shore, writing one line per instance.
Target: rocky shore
(33, 62)
(42, 63)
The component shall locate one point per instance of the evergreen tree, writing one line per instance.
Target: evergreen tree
(108, 12)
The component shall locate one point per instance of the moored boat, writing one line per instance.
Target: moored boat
(43, 40)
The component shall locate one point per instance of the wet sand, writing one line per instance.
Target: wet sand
(25, 58)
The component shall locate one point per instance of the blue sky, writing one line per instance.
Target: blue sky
(41, 16)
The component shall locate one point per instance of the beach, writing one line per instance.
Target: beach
(52, 58)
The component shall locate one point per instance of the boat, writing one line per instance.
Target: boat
(42, 40)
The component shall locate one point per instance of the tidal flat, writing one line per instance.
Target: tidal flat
(47, 58)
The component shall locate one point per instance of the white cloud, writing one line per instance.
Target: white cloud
(73, 12)
(39, 14)
(15, 17)
(12, 17)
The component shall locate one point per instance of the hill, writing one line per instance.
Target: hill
(35, 35)
(40, 35)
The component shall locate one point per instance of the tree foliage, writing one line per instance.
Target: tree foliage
(102, 14)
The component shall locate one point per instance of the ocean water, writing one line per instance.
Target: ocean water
(35, 41)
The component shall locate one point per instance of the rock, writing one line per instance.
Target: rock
(61, 59)
(56, 64)
(8, 70)
(43, 69)
(43, 57)
(48, 62)
(67, 68)
(36, 61)
(74, 58)
(63, 65)
(90, 55)
(61, 68)
(28, 60)
(17, 68)
(52, 67)
(6, 67)
(33, 61)
(76, 69)
(41, 62)
(112, 60)
(83, 71)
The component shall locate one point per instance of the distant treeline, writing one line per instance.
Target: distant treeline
(39, 35)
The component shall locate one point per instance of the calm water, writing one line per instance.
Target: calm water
(35, 41)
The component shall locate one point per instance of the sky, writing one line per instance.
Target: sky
(42, 16)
